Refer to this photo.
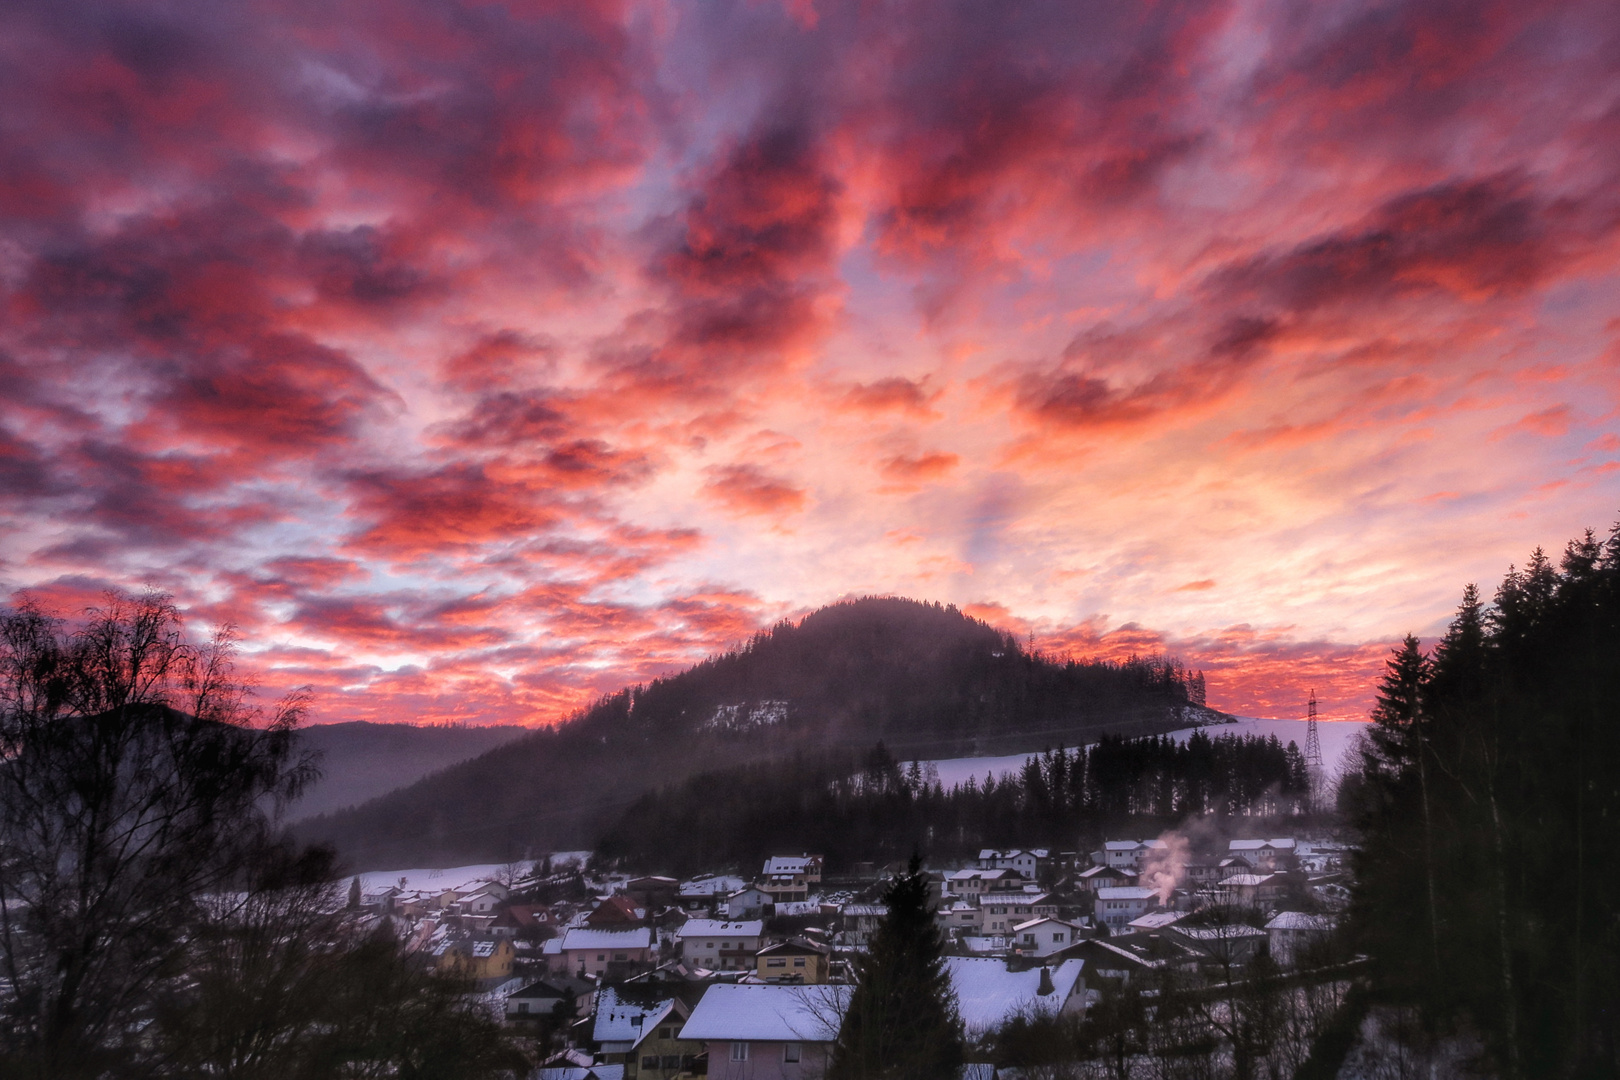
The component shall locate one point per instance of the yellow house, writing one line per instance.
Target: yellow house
(480, 960)
(795, 961)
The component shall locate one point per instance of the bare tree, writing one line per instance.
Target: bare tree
(136, 776)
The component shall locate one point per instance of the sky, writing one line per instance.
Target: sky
(476, 359)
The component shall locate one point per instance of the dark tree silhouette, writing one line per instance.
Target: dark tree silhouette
(902, 1022)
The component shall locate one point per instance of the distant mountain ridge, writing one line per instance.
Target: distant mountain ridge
(923, 678)
(361, 760)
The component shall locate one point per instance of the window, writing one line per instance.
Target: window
(798, 961)
(775, 962)
(666, 1033)
(621, 956)
(1058, 936)
(649, 1061)
(790, 1052)
(672, 1061)
(739, 1051)
(601, 956)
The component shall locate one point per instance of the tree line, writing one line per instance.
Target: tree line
(871, 807)
(1486, 805)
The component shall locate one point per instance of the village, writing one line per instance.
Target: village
(619, 977)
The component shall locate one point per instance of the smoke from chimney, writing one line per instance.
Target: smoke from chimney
(1164, 868)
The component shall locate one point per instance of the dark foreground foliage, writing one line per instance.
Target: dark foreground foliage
(902, 1021)
(1487, 805)
(152, 923)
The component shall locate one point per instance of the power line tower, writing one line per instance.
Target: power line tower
(1313, 753)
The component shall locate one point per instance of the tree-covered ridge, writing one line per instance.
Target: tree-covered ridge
(925, 678)
(855, 807)
(1487, 804)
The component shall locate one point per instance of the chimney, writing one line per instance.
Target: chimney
(1046, 986)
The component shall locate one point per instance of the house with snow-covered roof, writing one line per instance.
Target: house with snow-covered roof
(1043, 936)
(990, 992)
(720, 945)
(598, 952)
(1115, 907)
(642, 1035)
(1264, 854)
(1292, 932)
(768, 1032)
(1026, 863)
(1004, 910)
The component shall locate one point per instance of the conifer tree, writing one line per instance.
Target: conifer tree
(902, 1022)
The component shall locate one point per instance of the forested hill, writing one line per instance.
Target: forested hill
(924, 678)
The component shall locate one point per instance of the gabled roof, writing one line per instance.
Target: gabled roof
(789, 864)
(538, 990)
(1111, 871)
(795, 947)
(1157, 920)
(1246, 879)
(1282, 844)
(1217, 933)
(719, 885)
(639, 938)
(696, 928)
(1127, 892)
(1121, 845)
(1043, 919)
(619, 1021)
(988, 994)
(745, 1013)
(1300, 920)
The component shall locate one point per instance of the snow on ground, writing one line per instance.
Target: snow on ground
(452, 877)
(1337, 737)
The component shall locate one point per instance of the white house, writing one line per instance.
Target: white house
(1263, 854)
(1001, 911)
(1290, 931)
(720, 945)
(1044, 936)
(1118, 906)
(974, 883)
(592, 951)
(989, 993)
(483, 902)
(745, 903)
(768, 1032)
(1026, 864)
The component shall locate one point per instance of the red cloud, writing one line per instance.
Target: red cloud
(746, 489)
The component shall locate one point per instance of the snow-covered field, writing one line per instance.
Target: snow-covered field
(1337, 737)
(453, 876)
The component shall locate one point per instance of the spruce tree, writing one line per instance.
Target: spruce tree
(902, 1022)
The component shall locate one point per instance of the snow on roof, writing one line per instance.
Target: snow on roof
(1219, 933)
(483, 949)
(1022, 896)
(1121, 845)
(1246, 879)
(551, 947)
(696, 928)
(798, 907)
(712, 886)
(1284, 844)
(639, 938)
(1157, 920)
(864, 909)
(1043, 919)
(988, 995)
(626, 1022)
(743, 1013)
(788, 864)
(1299, 920)
(1095, 870)
(1127, 892)
(581, 1072)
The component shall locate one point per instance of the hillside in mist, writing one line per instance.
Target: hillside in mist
(924, 678)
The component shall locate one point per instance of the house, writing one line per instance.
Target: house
(643, 1036)
(861, 921)
(989, 992)
(600, 952)
(1004, 910)
(540, 998)
(1043, 936)
(579, 1072)
(1116, 907)
(1028, 864)
(1105, 877)
(1120, 959)
(749, 902)
(719, 945)
(483, 902)
(482, 960)
(616, 913)
(1233, 943)
(708, 891)
(1125, 854)
(768, 1032)
(789, 877)
(971, 884)
(1250, 890)
(793, 961)
(652, 892)
(1292, 932)
(960, 916)
(1157, 920)
(1265, 854)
